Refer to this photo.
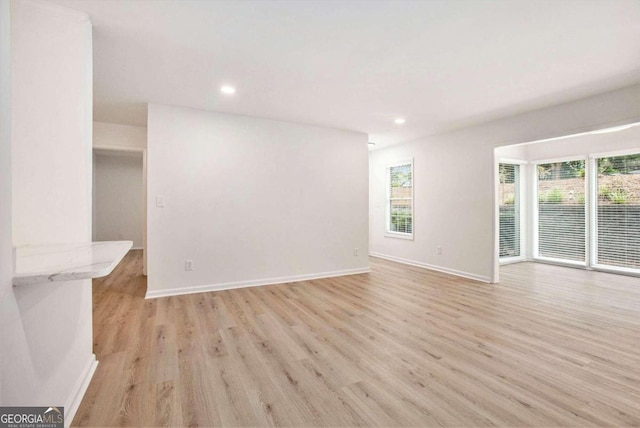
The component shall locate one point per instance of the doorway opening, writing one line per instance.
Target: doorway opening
(119, 197)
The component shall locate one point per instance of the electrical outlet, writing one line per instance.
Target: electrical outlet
(160, 201)
(188, 265)
(355, 251)
(438, 250)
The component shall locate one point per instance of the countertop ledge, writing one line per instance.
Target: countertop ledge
(36, 264)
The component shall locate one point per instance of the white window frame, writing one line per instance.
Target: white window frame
(535, 209)
(388, 232)
(522, 189)
(593, 227)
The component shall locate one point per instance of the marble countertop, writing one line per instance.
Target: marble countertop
(34, 264)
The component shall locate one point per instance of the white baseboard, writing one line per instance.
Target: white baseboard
(433, 267)
(136, 248)
(254, 283)
(80, 388)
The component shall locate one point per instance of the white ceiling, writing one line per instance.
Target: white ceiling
(359, 64)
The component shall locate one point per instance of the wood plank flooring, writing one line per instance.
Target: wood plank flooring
(401, 346)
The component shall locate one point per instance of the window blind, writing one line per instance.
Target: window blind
(509, 205)
(561, 210)
(400, 199)
(618, 211)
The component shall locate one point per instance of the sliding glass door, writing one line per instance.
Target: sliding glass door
(617, 234)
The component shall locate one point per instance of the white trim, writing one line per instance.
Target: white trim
(449, 271)
(522, 211)
(512, 161)
(495, 224)
(399, 235)
(616, 270)
(524, 214)
(536, 207)
(579, 265)
(77, 394)
(252, 283)
(615, 128)
(561, 262)
(588, 218)
(591, 211)
(579, 133)
(115, 148)
(534, 210)
(145, 205)
(510, 260)
(615, 153)
(581, 157)
(136, 248)
(387, 217)
(399, 163)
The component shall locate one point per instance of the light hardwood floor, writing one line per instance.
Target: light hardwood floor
(401, 346)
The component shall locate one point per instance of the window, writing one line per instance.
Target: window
(400, 200)
(618, 212)
(510, 209)
(561, 211)
(601, 230)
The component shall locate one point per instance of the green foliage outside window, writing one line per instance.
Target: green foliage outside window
(401, 221)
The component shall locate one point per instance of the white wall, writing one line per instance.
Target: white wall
(518, 152)
(118, 197)
(47, 354)
(455, 182)
(449, 205)
(115, 136)
(251, 201)
(6, 257)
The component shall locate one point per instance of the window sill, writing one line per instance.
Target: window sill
(406, 236)
(513, 259)
(560, 262)
(616, 269)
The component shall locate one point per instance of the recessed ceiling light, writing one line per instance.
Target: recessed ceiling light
(229, 90)
(399, 121)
